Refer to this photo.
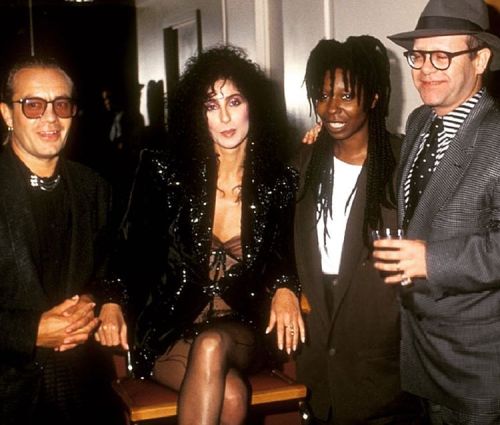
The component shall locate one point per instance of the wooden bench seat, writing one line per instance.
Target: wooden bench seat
(144, 399)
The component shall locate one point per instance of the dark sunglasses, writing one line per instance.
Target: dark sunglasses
(35, 107)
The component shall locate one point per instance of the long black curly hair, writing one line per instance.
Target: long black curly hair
(187, 123)
(365, 65)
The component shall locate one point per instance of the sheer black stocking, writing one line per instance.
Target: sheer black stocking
(207, 373)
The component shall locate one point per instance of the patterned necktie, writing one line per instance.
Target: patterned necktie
(422, 169)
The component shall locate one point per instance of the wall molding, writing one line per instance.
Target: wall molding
(224, 21)
(328, 16)
(263, 51)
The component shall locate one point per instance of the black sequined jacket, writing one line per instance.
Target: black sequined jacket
(166, 245)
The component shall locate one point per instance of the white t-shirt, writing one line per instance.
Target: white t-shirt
(345, 178)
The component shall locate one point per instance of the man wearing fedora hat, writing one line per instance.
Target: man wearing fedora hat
(449, 206)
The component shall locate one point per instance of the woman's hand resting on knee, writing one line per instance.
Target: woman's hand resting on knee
(287, 318)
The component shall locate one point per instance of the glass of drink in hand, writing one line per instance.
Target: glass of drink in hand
(387, 233)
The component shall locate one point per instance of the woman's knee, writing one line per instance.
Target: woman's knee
(211, 346)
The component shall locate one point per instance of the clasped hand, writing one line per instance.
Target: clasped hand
(287, 318)
(70, 323)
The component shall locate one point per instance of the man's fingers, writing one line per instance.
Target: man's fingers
(81, 317)
(78, 338)
(65, 305)
(65, 347)
(83, 330)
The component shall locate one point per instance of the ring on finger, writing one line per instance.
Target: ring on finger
(406, 281)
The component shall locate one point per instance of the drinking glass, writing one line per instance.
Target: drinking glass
(387, 233)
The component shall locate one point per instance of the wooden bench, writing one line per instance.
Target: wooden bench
(144, 399)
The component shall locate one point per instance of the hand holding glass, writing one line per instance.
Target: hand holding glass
(388, 233)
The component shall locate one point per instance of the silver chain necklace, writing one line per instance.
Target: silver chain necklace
(47, 184)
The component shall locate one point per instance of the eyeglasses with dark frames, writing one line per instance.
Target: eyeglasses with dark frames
(35, 107)
(440, 59)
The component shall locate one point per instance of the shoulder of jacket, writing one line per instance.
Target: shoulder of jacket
(419, 113)
(159, 163)
(83, 172)
(492, 115)
(154, 156)
(286, 182)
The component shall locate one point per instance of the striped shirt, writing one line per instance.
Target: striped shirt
(451, 124)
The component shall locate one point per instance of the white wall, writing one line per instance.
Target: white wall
(241, 25)
(306, 22)
(279, 34)
(155, 15)
(381, 18)
(303, 25)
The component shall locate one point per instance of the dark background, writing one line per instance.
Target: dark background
(95, 41)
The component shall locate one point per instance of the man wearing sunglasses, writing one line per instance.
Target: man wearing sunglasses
(449, 205)
(54, 221)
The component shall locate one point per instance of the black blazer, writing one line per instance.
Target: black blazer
(22, 297)
(351, 361)
(167, 235)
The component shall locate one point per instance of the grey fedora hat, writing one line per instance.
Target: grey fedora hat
(453, 17)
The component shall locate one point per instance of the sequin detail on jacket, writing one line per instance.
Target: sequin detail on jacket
(166, 246)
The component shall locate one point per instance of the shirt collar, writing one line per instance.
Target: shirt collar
(453, 120)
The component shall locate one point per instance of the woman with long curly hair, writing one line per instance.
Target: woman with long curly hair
(208, 230)
(351, 360)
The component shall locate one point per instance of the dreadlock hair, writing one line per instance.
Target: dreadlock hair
(187, 122)
(365, 66)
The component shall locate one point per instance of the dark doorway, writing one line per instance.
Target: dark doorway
(180, 41)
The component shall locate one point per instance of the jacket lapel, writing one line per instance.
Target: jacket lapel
(419, 126)
(353, 243)
(306, 247)
(199, 206)
(450, 171)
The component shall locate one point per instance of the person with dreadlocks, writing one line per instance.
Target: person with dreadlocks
(350, 362)
(209, 228)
